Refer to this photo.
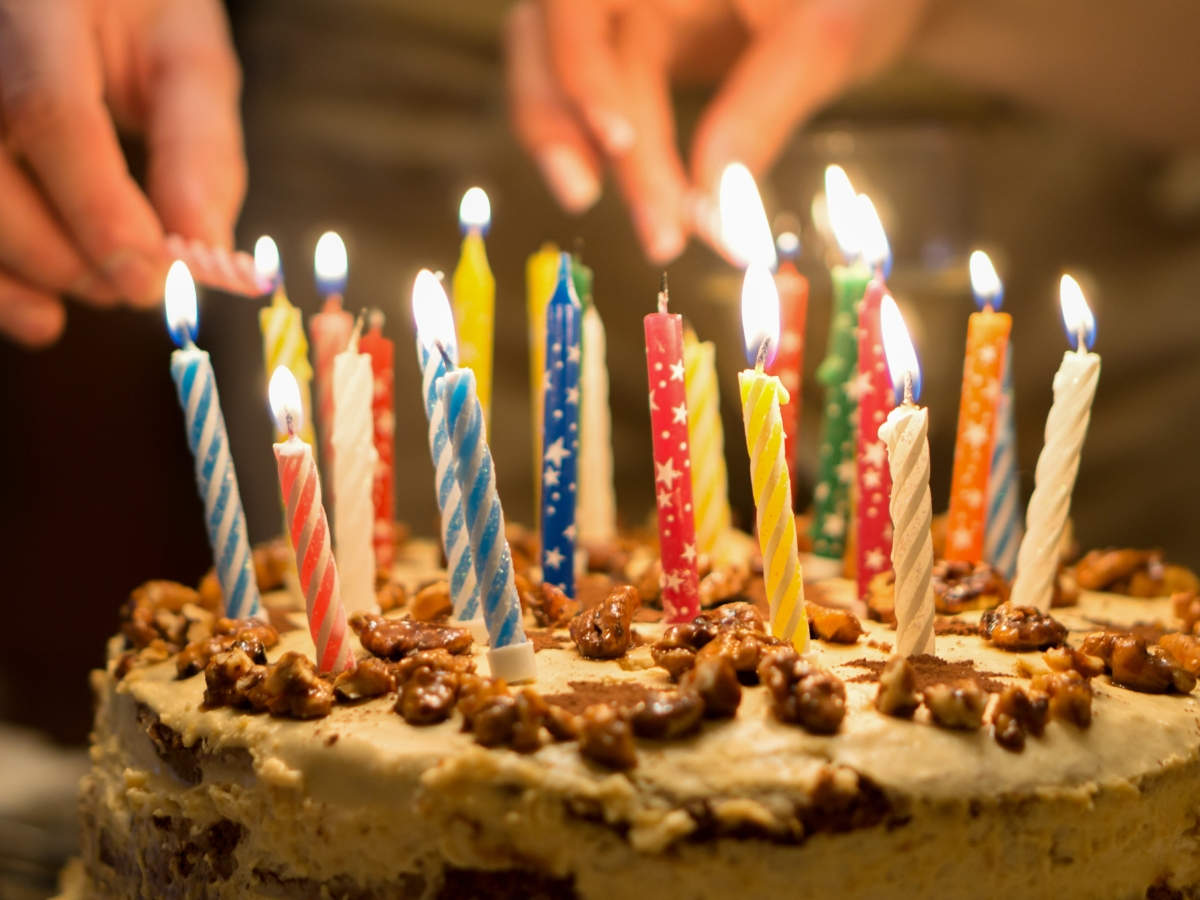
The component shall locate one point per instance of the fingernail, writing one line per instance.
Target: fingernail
(37, 324)
(571, 180)
(91, 286)
(614, 130)
(134, 276)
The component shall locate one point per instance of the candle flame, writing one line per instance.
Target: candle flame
(284, 395)
(745, 233)
(266, 259)
(760, 314)
(1076, 314)
(179, 303)
(872, 239)
(475, 210)
(329, 263)
(788, 244)
(985, 283)
(431, 312)
(841, 207)
(899, 351)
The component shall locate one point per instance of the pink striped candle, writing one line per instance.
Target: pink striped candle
(309, 529)
(329, 331)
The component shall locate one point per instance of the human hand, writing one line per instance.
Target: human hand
(589, 87)
(73, 220)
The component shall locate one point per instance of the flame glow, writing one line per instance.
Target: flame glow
(745, 233)
(329, 263)
(872, 239)
(475, 210)
(266, 259)
(898, 349)
(788, 244)
(841, 206)
(1076, 314)
(760, 313)
(284, 395)
(432, 315)
(179, 303)
(985, 283)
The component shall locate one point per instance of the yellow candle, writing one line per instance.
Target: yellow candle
(710, 480)
(474, 291)
(762, 395)
(284, 343)
(541, 274)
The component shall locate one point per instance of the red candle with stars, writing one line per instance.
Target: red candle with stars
(873, 537)
(382, 350)
(672, 462)
(788, 364)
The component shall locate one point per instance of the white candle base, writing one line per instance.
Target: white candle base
(514, 663)
(476, 626)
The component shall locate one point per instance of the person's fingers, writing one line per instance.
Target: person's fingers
(197, 167)
(650, 173)
(584, 59)
(29, 316)
(52, 100)
(544, 122)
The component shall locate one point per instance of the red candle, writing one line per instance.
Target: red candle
(672, 462)
(789, 359)
(382, 351)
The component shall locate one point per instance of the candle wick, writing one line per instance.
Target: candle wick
(289, 421)
(760, 360)
(908, 389)
(663, 293)
(375, 319)
(445, 356)
(1080, 339)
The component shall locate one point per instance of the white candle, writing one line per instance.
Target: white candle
(597, 510)
(906, 433)
(1066, 426)
(353, 474)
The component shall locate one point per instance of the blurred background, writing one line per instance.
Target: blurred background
(373, 116)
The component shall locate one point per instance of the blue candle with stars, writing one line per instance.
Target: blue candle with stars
(560, 431)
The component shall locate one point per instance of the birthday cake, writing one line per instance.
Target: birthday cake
(1032, 756)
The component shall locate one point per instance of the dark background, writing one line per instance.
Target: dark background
(372, 117)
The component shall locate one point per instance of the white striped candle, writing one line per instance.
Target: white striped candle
(1002, 534)
(192, 372)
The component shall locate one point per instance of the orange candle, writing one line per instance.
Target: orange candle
(983, 368)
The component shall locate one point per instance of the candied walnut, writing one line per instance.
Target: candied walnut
(675, 651)
(433, 659)
(603, 632)
(881, 600)
(1136, 666)
(224, 675)
(606, 738)
(1018, 628)
(1186, 606)
(738, 615)
(723, 582)
(665, 715)
(1178, 579)
(1100, 570)
(428, 696)
(562, 724)
(164, 610)
(1070, 696)
(495, 720)
(391, 595)
(714, 679)
(959, 586)
(897, 694)
(195, 656)
(432, 602)
(802, 693)
(742, 649)
(552, 608)
(1099, 644)
(1066, 658)
(395, 638)
(264, 632)
(1018, 714)
(370, 678)
(476, 690)
(532, 712)
(292, 688)
(838, 626)
(959, 705)
(1184, 649)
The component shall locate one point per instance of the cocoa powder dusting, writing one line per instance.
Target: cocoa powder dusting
(947, 625)
(931, 670)
(622, 694)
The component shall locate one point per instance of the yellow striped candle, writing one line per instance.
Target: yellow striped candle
(710, 480)
(762, 395)
(284, 343)
(474, 291)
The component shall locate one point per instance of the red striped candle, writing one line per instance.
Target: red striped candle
(873, 543)
(383, 409)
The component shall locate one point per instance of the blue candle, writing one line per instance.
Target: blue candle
(560, 432)
(216, 480)
(1002, 535)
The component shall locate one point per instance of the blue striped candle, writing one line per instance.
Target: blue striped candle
(560, 432)
(511, 653)
(216, 480)
(1002, 534)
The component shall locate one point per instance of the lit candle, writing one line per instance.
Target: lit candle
(284, 343)
(383, 413)
(706, 437)
(560, 435)
(838, 372)
(437, 350)
(873, 525)
(1002, 535)
(983, 368)
(762, 395)
(309, 529)
(1057, 465)
(597, 507)
(789, 361)
(541, 275)
(474, 291)
(330, 332)
(353, 475)
(906, 432)
(204, 425)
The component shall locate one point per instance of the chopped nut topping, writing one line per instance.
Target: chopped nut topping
(552, 608)
(370, 678)
(428, 696)
(391, 595)
(839, 626)
(434, 659)
(715, 680)
(897, 694)
(562, 724)
(195, 656)
(1017, 628)
(395, 638)
(474, 691)
(1065, 658)
(494, 720)
(723, 582)
(741, 648)
(606, 738)
(1101, 570)
(668, 714)
(260, 629)
(1184, 649)
(532, 712)
(736, 615)
(1186, 605)
(604, 632)
(432, 602)
(292, 688)
(224, 678)
(802, 693)
(1070, 696)
(1017, 713)
(959, 586)
(959, 705)
(1134, 665)
(165, 610)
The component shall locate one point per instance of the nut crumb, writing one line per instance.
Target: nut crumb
(1018, 628)
(370, 678)
(604, 631)
(1070, 696)
(392, 639)
(1018, 713)
(606, 738)
(665, 715)
(897, 695)
(959, 705)
(715, 680)
(838, 626)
